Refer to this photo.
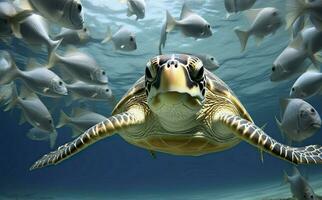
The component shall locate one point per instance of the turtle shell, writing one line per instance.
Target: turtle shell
(213, 83)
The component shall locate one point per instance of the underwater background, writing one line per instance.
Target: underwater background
(114, 169)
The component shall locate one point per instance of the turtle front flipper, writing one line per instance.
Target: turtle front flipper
(100, 131)
(252, 134)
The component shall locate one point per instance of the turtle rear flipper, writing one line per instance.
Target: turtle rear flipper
(252, 134)
(100, 131)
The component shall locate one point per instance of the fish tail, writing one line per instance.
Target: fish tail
(242, 36)
(170, 22)
(108, 35)
(53, 57)
(16, 19)
(53, 46)
(294, 9)
(14, 99)
(63, 119)
(285, 178)
(53, 139)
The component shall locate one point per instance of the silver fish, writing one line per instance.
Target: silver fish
(137, 8)
(34, 31)
(300, 188)
(79, 65)
(73, 37)
(33, 111)
(80, 90)
(6, 93)
(37, 78)
(308, 84)
(190, 24)
(299, 120)
(123, 39)
(264, 21)
(67, 13)
(80, 121)
(290, 62)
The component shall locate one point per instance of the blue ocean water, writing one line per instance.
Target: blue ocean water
(114, 169)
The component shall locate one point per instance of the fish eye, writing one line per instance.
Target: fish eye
(293, 89)
(312, 110)
(103, 73)
(107, 90)
(274, 13)
(208, 26)
(273, 69)
(50, 121)
(212, 59)
(311, 196)
(79, 7)
(131, 38)
(60, 83)
(85, 29)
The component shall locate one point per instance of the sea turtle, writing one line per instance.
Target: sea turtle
(180, 108)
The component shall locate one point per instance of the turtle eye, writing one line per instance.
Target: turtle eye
(148, 74)
(79, 7)
(196, 75)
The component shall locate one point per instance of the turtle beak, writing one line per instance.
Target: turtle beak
(174, 77)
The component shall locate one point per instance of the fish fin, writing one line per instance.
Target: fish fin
(76, 132)
(17, 19)
(53, 46)
(32, 63)
(294, 9)
(258, 40)
(296, 171)
(251, 14)
(94, 95)
(108, 35)
(77, 112)
(228, 15)
(285, 178)
(27, 93)
(25, 5)
(63, 120)
(297, 42)
(185, 11)
(53, 139)
(14, 100)
(45, 90)
(279, 125)
(243, 37)
(129, 13)
(22, 119)
(313, 68)
(53, 57)
(170, 22)
(283, 105)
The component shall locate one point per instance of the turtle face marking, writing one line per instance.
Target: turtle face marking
(175, 80)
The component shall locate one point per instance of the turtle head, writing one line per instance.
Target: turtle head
(175, 86)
